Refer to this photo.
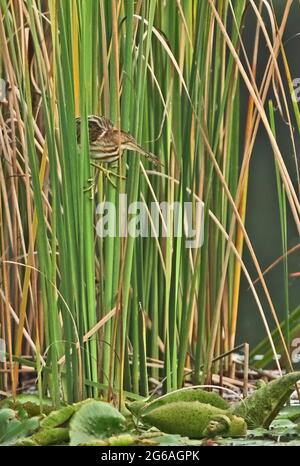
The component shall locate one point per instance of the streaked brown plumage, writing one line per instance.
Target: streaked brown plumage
(107, 143)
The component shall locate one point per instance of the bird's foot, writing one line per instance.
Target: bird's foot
(108, 173)
(92, 187)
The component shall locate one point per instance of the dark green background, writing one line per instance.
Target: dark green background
(262, 222)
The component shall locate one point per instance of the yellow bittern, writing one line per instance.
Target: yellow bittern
(107, 143)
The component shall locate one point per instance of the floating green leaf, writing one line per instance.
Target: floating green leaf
(93, 421)
(12, 428)
(31, 404)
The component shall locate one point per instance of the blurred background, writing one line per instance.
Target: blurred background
(262, 220)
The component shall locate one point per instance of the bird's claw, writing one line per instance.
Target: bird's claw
(111, 181)
(107, 173)
(91, 188)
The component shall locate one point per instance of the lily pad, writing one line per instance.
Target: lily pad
(173, 439)
(95, 420)
(32, 404)
(283, 427)
(258, 432)
(12, 428)
(290, 412)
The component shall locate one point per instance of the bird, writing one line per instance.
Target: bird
(107, 143)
